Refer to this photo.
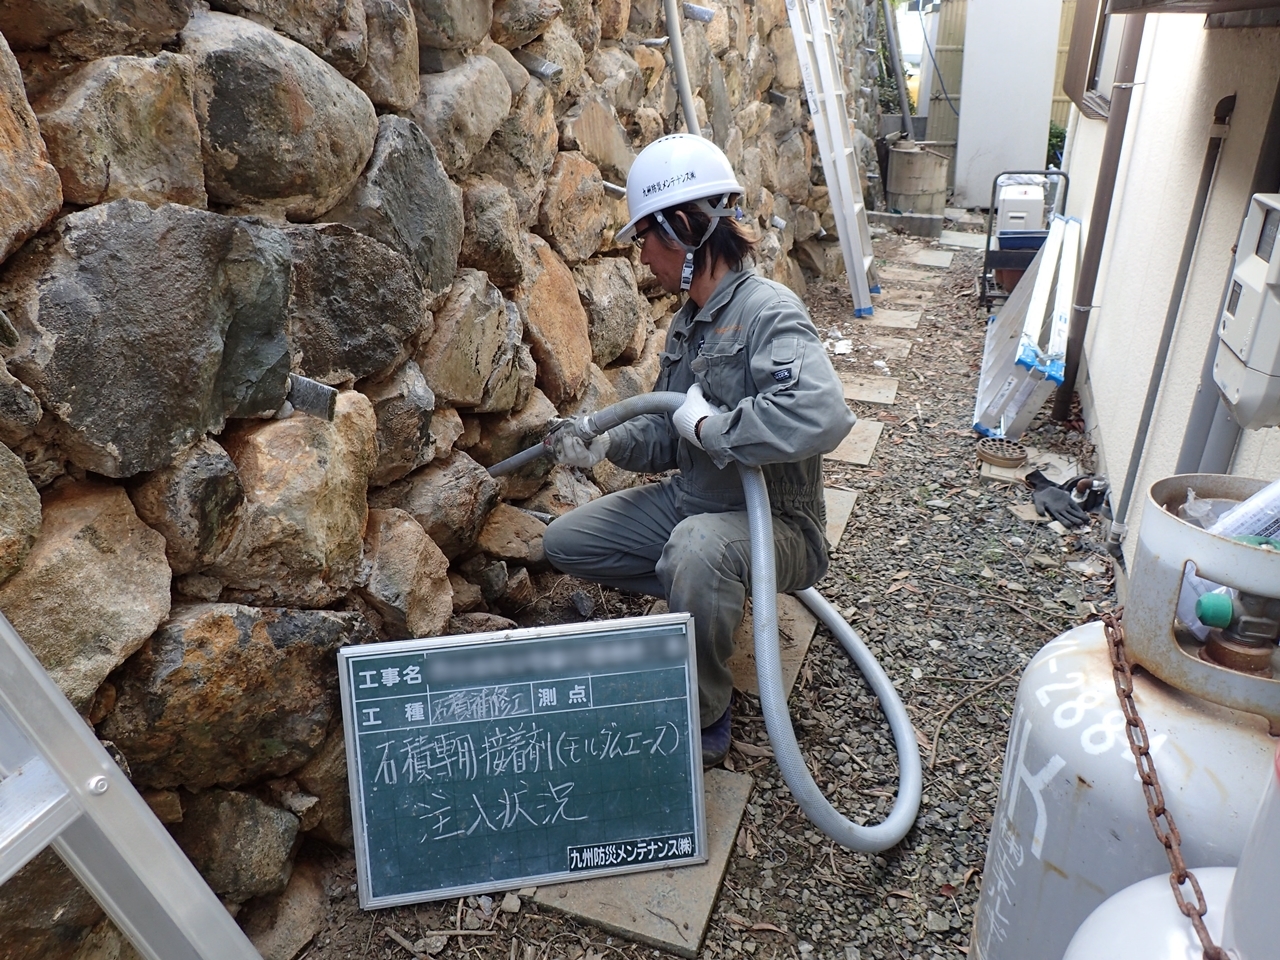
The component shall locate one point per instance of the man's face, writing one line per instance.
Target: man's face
(665, 261)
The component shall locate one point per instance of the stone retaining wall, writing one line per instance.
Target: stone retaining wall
(196, 201)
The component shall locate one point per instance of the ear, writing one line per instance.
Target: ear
(686, 229)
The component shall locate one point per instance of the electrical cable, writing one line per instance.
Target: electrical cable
(937, 70)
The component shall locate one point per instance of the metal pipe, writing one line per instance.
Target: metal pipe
(891, 37)
(1210, 438)
(1218, 133)
(1108, 167)
(671, 10)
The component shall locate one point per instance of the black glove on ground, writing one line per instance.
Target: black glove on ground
(1057, 503)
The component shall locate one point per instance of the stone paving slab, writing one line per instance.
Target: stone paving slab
(905, 274)
(1056, 467)
(869, 389)
(900, 298)
(839, 509)
(860, 444)
(893, 348)
(669, 909)
(955, 238)
(934, 258)
(796, 626)
(897, 319)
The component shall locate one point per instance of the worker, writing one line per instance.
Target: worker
(760, 391)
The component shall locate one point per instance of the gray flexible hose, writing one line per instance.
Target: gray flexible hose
(773, 701)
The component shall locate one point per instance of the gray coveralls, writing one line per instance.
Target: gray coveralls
(756, 352)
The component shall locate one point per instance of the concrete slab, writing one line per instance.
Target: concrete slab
(893, 348)
(839, 508)
(860, 444)
(955, 238)
(668, 909)
(904, 274)
(869, 389)
(915, 224)
(896, 319)
(903, 298)
(796, 626)
(934, 258)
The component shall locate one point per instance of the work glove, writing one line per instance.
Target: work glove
(571, 449)
(693, 411)
(1057, 503)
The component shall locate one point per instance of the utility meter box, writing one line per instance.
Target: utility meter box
(1247, 365)
(1020, 206)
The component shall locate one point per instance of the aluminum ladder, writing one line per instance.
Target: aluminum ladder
(59, 787)
(824, 89)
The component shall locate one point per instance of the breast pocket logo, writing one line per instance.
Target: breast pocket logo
(783, 375)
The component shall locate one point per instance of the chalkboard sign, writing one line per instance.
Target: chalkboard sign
(493, 761)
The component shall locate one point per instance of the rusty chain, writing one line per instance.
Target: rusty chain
(1161, 818)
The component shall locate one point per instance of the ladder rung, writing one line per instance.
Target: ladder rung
(35, 807)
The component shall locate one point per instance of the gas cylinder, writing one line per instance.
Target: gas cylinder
(1071, 825)
(1142, 922)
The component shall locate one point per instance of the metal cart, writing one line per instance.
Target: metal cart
(1012, 259)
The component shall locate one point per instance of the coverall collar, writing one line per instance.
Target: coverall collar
(689, 314)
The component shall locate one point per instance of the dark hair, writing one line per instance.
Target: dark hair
(730, 241)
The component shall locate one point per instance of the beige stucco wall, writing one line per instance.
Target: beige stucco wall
(1183, 72)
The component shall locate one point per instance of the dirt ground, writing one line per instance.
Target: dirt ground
(952, 592)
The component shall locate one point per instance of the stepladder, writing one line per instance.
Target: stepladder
(60, 788)
(823, 76)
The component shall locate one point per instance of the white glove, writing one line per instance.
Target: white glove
(572, 449)
(690, 413)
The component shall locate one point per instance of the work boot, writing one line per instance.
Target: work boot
(716, 739)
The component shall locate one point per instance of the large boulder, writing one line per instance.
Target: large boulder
(470, 343)
(493, 240)
(516, 22)
(522, 150)
(503, 437)
(614, 15)
(557, 45)
(126, 127)
(20, 518)
(511, 534)
(449, 497)
(30, 193)
(452, 24)
(403, 405)
(241, 846)
(196, 503)
(86, 31)
(301, 538)
(390, 74)
(583, 24)
(167, 360)
(795, 160)
(619, 76)
(282, 131)
(408, 581)
(615, 309)
(592, 127)
(573, 213)
(460, 109)
(405, 199)
(93, 588)
(353, 303)
(555, 325)
(228, 694)
(325, 777)
(333, 30)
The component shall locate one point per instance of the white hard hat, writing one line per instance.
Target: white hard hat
(676, 169)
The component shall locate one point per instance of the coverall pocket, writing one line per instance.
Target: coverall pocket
(721, 369)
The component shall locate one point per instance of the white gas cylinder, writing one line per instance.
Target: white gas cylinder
(1071, 825)
(1142, 922)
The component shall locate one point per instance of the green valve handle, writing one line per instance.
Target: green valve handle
(1215, 609)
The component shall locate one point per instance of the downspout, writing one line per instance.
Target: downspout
(1217, 134)
(671, 10)
(895, 58)
(1209, 441)
(1108, 167)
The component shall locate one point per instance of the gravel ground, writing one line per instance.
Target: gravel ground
(953, 594)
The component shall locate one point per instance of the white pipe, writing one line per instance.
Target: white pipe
(671, 10)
